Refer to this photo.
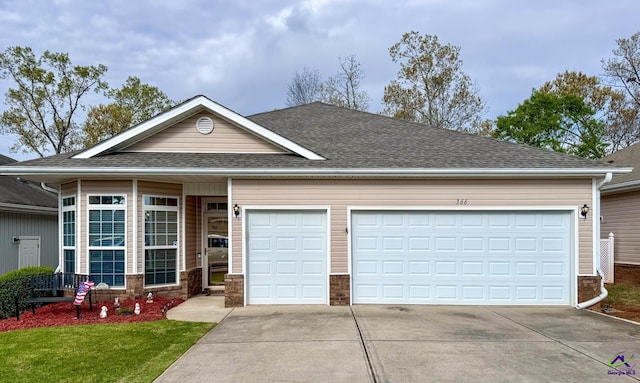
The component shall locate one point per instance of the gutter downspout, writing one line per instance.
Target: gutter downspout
(57, 192)
(49, 189)
(603, 291)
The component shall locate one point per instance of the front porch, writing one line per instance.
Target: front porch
(168, 237)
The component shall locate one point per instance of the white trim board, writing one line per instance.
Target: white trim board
(230, 218)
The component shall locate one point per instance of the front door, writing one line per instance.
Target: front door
(216, 249)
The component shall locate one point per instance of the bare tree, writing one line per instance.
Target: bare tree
(343, 89)
(431, 87)
(623, 74)
(624, 69)
(304, 87)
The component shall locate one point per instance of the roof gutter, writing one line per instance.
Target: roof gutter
(606, 180)
(49, 189)
(621, 186)
(603, 291)
(28, 209)
(302, 172)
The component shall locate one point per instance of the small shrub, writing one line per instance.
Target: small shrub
(25, 272)
(124, 311)
(15, 284)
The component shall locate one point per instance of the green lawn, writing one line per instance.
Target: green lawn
(132, 352)
(623, 301)
(623, 294)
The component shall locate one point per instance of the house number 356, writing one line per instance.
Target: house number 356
(462, 201)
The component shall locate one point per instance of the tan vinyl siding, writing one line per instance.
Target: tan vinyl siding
(340, 194)
(160, 190)
(192, 232)
(621, 216)
(184, 137)
(69, 189)
(206, 189)
(105, 188)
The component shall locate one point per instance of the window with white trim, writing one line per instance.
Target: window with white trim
(160, 240)
(69, 233)
(107, 241)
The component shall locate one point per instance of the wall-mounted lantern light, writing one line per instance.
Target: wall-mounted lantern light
(15, 240)
(236, 210)
(584, 211)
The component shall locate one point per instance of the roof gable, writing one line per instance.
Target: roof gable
(189, 108)
(184, 137)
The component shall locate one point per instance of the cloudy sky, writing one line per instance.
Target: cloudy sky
(243, 53)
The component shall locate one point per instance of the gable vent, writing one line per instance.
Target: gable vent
(204, 125)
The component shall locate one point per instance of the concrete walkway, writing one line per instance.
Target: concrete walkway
(376, 343)
(201, 308)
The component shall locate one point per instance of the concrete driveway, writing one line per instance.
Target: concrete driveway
(375, 343)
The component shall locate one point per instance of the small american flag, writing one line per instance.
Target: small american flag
(82, 291)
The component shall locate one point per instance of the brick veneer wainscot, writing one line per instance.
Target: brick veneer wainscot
(339, 290)
(626, 273)
(190, 285)
(191, 282)
(233, 290)
(588, 287)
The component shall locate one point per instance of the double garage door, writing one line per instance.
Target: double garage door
(404, 257)
(501, 258)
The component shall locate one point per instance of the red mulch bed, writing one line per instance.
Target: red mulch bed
(64, 314)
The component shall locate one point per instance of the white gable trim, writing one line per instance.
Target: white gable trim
(184, 109)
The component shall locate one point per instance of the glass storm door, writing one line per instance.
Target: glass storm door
(216, 254)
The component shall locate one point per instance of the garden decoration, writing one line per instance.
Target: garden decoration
(83, 289)
(103, 312)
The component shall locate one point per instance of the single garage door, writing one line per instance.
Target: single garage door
(287, 257)
(500, 258)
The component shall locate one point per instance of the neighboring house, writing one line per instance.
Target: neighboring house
(28, 224)
(325, 205)
(621, 214)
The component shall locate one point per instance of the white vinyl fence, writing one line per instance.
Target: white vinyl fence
(606, 258)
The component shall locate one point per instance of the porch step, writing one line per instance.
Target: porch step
(215, 291)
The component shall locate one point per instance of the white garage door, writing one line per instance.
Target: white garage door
(462, 257)
(287, 257)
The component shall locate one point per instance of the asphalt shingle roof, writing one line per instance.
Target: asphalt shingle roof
(629, 157)
(349, 139)
(20, 192)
